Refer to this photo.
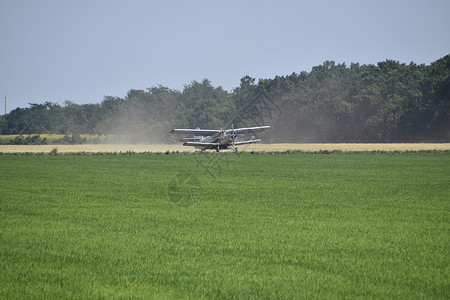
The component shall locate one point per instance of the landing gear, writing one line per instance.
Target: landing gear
(235, 149)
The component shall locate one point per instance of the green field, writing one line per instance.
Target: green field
(225, 226)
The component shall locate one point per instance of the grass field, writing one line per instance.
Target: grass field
(140, 148)
(225, 226)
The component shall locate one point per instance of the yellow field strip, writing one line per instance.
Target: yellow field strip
(255, 147)
(349, 147)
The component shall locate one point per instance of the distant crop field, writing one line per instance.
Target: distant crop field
(139, 148)
(225, 226)
(49, 139)
(48, 136)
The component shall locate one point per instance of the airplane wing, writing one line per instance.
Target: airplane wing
(247, 142)
(249, 129)
(201, 144)
(199, 132)
(192, 139)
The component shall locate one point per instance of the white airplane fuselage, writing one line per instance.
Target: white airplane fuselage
(225, 140)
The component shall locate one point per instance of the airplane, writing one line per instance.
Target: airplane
(217, 139)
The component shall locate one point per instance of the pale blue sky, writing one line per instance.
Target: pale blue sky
(83, 50)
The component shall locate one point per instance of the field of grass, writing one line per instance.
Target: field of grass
(225, 226)
(140, 148)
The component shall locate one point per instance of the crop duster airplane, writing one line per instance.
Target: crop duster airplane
(217, 139)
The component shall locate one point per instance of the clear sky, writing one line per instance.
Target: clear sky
(56, 50)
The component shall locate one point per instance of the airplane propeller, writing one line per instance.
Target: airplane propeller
(233, 137)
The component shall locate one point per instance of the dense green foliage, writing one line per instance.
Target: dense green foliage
(266, 226)
(386, 102)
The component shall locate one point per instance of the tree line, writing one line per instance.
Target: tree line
(386, 102)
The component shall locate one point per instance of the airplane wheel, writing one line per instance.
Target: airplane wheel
(236, 149)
